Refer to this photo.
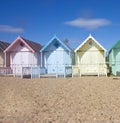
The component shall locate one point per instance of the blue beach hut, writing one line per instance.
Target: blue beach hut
(56, 55)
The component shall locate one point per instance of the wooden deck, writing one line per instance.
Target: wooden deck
(48, 76)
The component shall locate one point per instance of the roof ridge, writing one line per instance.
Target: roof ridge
(87, 39)
(34, 45)
(52, 39)
(29, 40)
(114, 46)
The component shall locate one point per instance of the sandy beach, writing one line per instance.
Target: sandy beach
(51, 100)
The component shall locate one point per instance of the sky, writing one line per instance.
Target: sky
(74, 20)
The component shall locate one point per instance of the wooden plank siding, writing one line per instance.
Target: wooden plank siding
(90, 58)
(114, 59)
(22, 53)
(56, 54)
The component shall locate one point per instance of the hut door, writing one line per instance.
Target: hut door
(53, 60)
(16, 62)
(24, 59)
(50, 62)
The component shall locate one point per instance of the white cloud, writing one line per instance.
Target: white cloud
(88, 23)
(7, 28)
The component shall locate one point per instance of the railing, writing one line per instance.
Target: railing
(89, 69)
(6, 71)
(68, 71)
(18, 68)
(42, 70)
(32, 72)
(64, 71)
(26, 72)
(36, 71)
(75, 70)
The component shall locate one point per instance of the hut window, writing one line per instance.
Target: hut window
(22, 44)
(56, 44)
(90, 43)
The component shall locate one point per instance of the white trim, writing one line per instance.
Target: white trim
(14, 43)
(5, 60)
(49, 42)
(41, 59)
(90, 36)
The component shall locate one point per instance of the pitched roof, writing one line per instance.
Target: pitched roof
(35, 46)
(32, 46)
(61, 42)
(90, 37)
(3, 45)
(114, 46)
(68, 46)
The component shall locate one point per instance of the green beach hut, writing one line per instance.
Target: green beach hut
(114, 59)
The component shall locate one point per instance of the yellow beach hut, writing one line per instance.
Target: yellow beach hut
(90, 58)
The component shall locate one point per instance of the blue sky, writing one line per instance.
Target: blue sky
(40, 20)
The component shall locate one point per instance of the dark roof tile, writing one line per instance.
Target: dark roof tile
(35, 46)
(3, 45)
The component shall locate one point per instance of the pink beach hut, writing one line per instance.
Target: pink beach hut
(22, 53)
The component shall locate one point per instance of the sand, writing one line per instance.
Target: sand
(51, 100)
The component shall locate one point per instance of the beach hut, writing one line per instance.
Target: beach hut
(90, 58)
(56, 56)
(22, 53)
(114, 59)
(3, 46)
